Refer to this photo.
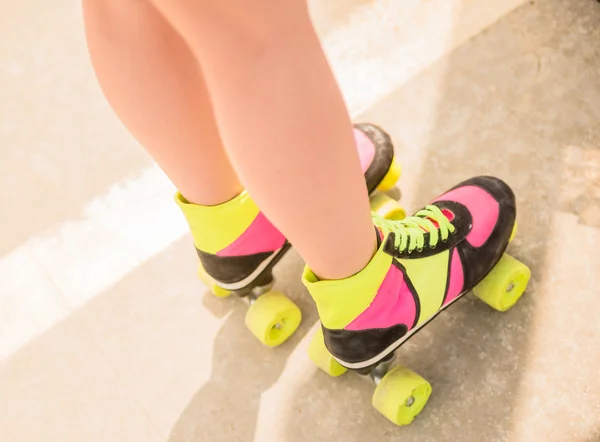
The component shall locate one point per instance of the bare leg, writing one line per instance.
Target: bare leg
(284, 124)
(155, 85)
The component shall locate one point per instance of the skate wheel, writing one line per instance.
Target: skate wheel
(504, 285)
(318, 353)
(401, 395)
(387, 207)
(391, 177)
(273, 318)
(513, 233)
(219, 292)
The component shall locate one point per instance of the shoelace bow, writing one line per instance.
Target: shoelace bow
(410, 232)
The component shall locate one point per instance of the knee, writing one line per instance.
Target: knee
(100, 9)
(112, 15)
(256, 22)
(119, 21)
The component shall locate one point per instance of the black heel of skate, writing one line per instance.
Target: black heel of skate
(271, 317)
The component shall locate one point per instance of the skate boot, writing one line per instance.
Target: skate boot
(238, 246)
(423, 264)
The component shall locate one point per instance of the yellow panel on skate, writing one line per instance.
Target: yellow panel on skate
(215, 227)
(428, 276)
(340, 301)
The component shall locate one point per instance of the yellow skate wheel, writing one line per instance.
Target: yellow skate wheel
(387, 207)
(319, 354)
(219, 292)
(401, 395)
(273, 318)
(504, 285)
(513, 233)
(391, 178)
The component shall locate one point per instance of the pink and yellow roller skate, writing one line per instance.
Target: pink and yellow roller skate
(238, 246)
(424, 263)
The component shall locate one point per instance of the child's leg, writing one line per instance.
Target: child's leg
(284, 124)
(155, 85)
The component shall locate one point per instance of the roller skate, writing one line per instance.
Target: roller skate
(423, 264)
(238, 246)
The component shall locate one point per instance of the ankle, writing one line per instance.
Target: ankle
(211, 197)
(347, 265)
(340, 301)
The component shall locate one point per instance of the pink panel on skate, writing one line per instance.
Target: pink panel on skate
(393, 305)
(366, 149)
(484, 211)
(261, 236)
(457, 278)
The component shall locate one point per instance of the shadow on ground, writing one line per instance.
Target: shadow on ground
(242, 369)
(512, 100)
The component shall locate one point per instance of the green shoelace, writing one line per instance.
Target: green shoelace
(410, 232)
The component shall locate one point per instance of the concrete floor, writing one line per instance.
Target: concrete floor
(106, 335)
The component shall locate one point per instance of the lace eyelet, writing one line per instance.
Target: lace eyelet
(420, 249)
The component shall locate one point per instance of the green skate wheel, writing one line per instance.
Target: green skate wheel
(273, 318)
(319, 354)
(387, 207)
(504, 285)
(401, 395)
(219, 292)
(391, 178)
